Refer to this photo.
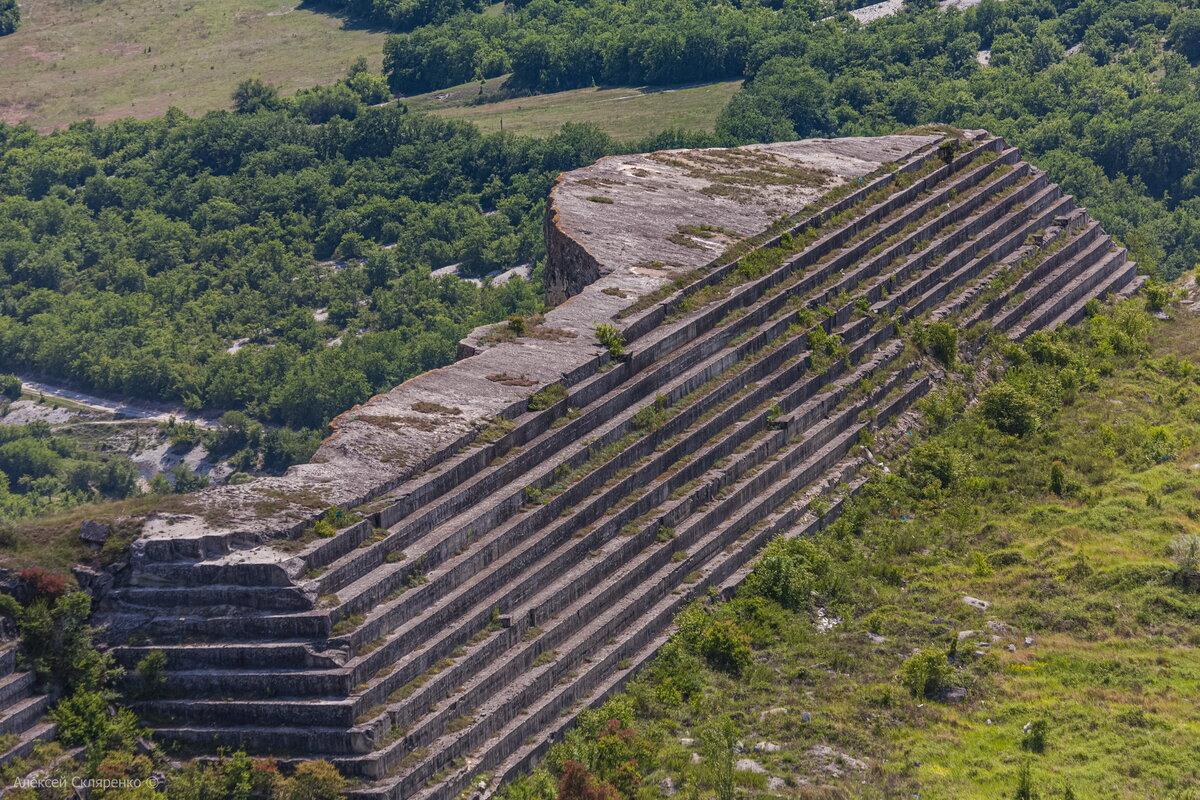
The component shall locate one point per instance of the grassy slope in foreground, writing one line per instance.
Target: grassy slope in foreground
(1111, 673)
(72, 60)
(624, 113)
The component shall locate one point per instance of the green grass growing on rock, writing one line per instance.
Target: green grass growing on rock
(1065, 531)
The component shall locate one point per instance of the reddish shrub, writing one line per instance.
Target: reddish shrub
(264, 777)
(43, 582)
(576, 783)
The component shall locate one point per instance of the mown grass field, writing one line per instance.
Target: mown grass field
(625, 113)
(75, 59)
(1091, 636)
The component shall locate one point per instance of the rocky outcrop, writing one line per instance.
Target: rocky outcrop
(521, 527)
(594, 259)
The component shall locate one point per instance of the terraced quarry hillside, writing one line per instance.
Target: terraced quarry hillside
(517, 531)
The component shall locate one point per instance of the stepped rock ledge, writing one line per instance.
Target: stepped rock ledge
(515, 532)
(624, 247)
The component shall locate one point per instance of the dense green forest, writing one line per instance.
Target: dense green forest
(549, 45)
(132, 255)
(405, 14)
(10, 16)
(1117, 122)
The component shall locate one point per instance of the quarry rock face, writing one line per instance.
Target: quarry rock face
(637, 221)
(516, 531)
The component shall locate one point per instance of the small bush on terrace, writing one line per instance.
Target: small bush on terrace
(652, 415)
(548, 396)
(151, 674)
(826, 347)
(939, 340)
(611, 339)
(330, 521)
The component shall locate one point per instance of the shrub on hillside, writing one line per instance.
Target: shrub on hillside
(674, 675)
(943, 406)
(237, 776)
(282, 447)
(790, 571)
(1160, 444)
(1058, 479)
(934, 465)
(1157, 294)
(43, 583)
(577, 783)
(10, 16)
(718, 640)
(1123, 331)
(719, 740)
(926, 673)
(1185, 552)
(1034, 737)
(312, 780)
(939, 340)
(1025, 788)
(253, 95)
(86, 720)
(1046, 348)
(120, 771)
(1009, 409)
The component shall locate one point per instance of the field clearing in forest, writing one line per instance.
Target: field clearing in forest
(625, 113)
(78, 59)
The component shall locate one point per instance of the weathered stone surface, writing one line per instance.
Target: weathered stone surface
(834, 761)
(95, 582)
(976, 603)
(676, 210)
(94, 532)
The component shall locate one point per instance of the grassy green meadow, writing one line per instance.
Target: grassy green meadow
(625, 113)
(75, 59)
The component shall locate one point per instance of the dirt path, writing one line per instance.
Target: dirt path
(127, 409)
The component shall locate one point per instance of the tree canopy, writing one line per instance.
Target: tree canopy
(276, 259)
